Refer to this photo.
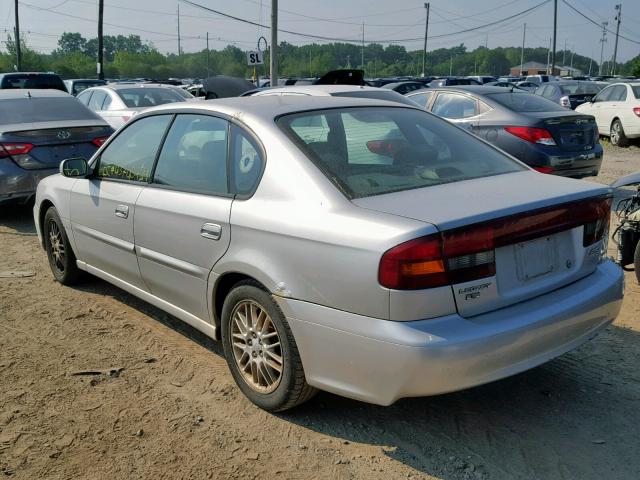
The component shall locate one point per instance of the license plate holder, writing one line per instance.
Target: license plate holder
(535, 258)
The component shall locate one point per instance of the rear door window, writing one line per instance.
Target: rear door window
(97, 99)
(454, 106)
(619, 94)
(194, 155)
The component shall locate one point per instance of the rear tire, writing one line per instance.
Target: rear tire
(617, 135)
(636, 262)
(62, 260)
(260, 350)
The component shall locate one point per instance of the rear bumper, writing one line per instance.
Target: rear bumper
(380, 361)
(18, 185)
(569, 164)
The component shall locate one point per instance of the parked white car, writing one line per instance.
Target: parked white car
(617, 112)
(118, 103)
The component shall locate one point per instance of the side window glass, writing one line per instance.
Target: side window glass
(246, 163)
(194, 155)
(421, 99)
(107, 102)
(84, 98)
(96, 100)
(604, 95)
(131, 154)
(450, 105)
(619, 93)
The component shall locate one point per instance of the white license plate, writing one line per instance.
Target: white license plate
(535, 258)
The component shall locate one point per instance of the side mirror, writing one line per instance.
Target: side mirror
(74, 167)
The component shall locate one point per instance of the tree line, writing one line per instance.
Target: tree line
(128, 56)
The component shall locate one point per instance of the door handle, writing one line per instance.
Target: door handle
(122, 211)
(211, 231)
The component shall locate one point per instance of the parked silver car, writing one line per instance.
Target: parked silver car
(118, 103)
(362, 247)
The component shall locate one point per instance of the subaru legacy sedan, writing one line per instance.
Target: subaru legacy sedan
(362, 247)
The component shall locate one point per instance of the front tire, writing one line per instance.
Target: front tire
(61, 258)
(617, 135)
(636, 261)
(261, 351)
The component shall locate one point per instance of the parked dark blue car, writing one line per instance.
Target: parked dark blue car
(536, 131)
(39, 129)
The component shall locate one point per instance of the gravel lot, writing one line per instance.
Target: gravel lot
(97, 384)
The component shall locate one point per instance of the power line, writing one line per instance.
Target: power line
(599, 25)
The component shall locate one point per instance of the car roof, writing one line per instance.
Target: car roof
(319, 90)
(12, 93)
(395, 84)
(475, 89)
(268, 107)
(122, 86)
(8, 74)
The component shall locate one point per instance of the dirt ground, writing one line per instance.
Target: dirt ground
(96, 384)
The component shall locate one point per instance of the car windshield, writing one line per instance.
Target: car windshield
(580, 88)
(375, 94)
(148, 97)
(524, 102)
(375, 150)
(27, 110)
(33, 81)
(636, 90)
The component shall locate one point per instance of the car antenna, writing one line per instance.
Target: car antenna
(28, 94)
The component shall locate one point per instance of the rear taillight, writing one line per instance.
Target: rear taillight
(543, 169)
(564, 101)
(98, 142)
(532, 134)
(636, 110)
(468, 253)
(9, 149)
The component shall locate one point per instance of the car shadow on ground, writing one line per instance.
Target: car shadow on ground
(17, 220)
(574, 417)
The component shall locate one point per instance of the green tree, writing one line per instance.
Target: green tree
(70, 43)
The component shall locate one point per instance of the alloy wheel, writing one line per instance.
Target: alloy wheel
(256, 346)
(615, 133)
(56, 246)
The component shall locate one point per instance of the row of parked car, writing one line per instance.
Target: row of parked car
(538, 129)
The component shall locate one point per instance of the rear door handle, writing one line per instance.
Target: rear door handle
(212, 231)
(122, 211)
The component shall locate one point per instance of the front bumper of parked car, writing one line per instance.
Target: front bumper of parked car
(381, 361)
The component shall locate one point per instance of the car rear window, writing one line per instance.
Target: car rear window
(36, 81)
(148, 97)
(376, 150)
(636, 91)
(524, 102)
(24, 110)
(376, 95)
(580, 88)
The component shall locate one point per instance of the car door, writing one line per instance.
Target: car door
(182, 220)
(459, 109)
(599, 109)
(615, 104)
(103, 206)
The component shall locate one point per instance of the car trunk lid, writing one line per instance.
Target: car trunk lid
(539, 243)
(571, 131)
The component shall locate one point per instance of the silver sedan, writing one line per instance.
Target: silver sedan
(356, 246)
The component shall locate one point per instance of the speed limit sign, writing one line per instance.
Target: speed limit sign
(255, 58)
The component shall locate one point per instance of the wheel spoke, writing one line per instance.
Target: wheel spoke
(274, 356)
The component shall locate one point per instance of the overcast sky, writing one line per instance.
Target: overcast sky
(42, 21)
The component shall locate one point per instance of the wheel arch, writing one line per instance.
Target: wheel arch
(45, 205)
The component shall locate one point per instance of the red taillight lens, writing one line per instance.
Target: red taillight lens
(413, 265)
(98, 142)
(636, 110)
(468, 253)
(8, 149)
(543, 169)
(532, 134)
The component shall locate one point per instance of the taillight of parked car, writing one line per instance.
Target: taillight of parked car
(636, 110)
(564, 101)
(543, 169)
(468, 253)
(532, 134)
(9, 149)
(98, 142)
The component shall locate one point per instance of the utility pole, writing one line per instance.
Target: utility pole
(362, 55)
(17, 39)
(549, 56)
(602, 42)
(273, 57)
(555, 31)
(524, 34)
(179, 47)
(590, 63)
(208, 54)
(572, 52)
(615, 48)
(100, 40)
(426, 33)
(564, 53)
(451, 64)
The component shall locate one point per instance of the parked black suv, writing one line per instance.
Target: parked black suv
(33, 80)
